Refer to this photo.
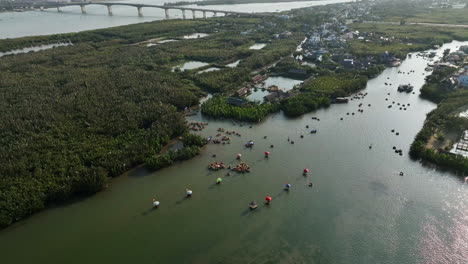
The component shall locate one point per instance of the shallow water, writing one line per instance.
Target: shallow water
(34, 49)
(233, 64)
(359, 209)
(257, 46)
(190, 65)
(196, 35)
(283, 83)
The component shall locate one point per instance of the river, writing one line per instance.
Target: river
(33, 23)
(359, 210)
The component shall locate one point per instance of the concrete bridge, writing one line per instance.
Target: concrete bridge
(139, 8)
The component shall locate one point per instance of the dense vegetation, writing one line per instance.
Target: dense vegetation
(223, 80)
(317, 92)
(418, 12)
(305, 103)
(402, 39)
(191, 148)
(252, 112)
(335, 85)
(67, 128)
(282, 68)
(434, 89)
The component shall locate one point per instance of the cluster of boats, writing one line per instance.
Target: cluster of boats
(402, 72)
(405, 88)
(197, 126)
(398, 151)
(242, 167)
(216, 166)
(359, 96)
(233, 133)
(223, 140)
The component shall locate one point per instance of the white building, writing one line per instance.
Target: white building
(314, 39)
(463, 79)
(348, 35)
(464, 48)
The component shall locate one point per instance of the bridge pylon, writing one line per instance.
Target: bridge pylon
(183, 14)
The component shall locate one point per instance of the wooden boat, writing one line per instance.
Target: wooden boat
(340, 100)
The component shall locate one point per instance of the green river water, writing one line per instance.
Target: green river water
(358, 211)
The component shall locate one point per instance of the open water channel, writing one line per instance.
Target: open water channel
(359, 210)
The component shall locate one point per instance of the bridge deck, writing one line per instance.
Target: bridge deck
(54, 5)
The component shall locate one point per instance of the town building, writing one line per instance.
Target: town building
(463, 79)
(242, 92)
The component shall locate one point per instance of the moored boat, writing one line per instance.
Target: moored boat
(405, 88)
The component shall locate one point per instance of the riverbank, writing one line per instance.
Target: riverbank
(441, 140)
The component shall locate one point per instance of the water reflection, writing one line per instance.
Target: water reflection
(283, 83)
